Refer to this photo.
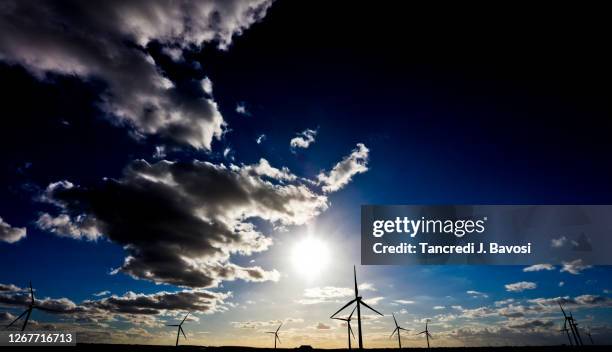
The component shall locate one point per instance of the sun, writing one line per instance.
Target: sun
(310, 256)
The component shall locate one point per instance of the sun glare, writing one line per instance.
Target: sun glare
(310, 256)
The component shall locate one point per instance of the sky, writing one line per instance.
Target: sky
(212, 157)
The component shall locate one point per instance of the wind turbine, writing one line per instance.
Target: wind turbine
(348, 324)
(397, 329)
(27, 312)
(572, 325)
(275, 335)
(566, 330)
(426, 332)
(575, 325)
(180, 329)
(358, 300)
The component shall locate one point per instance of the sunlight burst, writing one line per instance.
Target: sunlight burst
(310, 256)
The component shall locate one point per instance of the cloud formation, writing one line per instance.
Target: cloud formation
(108, 42)
(520, 286)
(574, 267)
(180, 222)
(11, 234)
(136, 308)
(477, 294)
(539, 267)
(342, 173)
(303, 139)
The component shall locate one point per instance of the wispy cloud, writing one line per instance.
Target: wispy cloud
(520, 286)
(539, 267)
(574, 267)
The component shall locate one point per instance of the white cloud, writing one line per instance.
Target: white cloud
(561, 283)
(342, 173)
(81, 226)
(520, 286)
(260, 138)
(477, 294)
(574, 267)
(207, 86)
(558, 242)
(242, 109)
(304, 139)
(403, 301)
(439, 307)
(539, 267)
(102, 293)
(11, 234)
(263, 168)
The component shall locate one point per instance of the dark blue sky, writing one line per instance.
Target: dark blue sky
(510, 116)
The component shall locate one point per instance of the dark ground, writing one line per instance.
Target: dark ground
(130, 348)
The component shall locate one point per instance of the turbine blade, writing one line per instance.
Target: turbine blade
(279, 327)
(393, 333)
(181, 329)
(351, 315)
(184, 318)
(394, 319)
(341, 309)
(351, 330)
(422, 332)
(19, 317)
(270, 332)
(25, 323)
(173, 325)
(431, 337)
(365, 304)
(401, 328)
(355, 276)
(278, 338)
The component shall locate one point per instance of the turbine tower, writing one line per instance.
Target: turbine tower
(275, 335)
(427, 334)
(180, 329)
(566, 330)
(348, 324)
(27, 312)
(358, 302)
(397, 329)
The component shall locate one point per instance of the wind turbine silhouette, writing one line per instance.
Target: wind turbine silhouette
(28, 311)
(348, 324)
(180, 329)
(397, 329)
(566, 330)
(275, 335)
(572, 324)
(426, 332)
(358, 300)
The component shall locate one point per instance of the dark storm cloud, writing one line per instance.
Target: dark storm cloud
(11, 234)
(131, 303)
(181, 221)
(107, 41)
(133, 307)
